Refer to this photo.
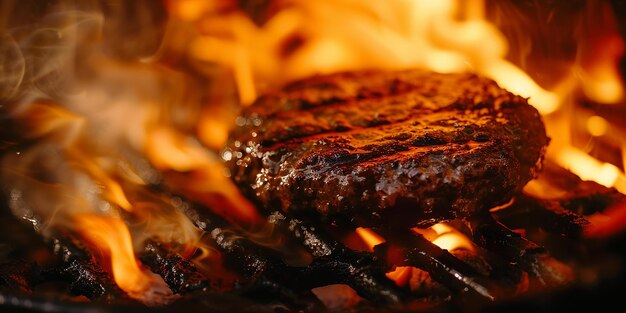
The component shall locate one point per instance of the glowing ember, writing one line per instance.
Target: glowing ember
(370, 238)
(111, 237)
(441, 234)
(401, 275)
(446, 237)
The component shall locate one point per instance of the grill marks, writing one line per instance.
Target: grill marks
(341, 143)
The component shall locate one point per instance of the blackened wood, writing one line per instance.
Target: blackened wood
(530, 257)
(404, 248)
(180, 275)
(85, 276)
(267, 276)
(362, 271)
(494, 236)
(529, 212)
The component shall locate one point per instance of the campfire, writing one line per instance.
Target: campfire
(181, 155)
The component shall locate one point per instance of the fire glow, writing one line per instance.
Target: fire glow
(179, 130)
(112, 238)
(443, 36)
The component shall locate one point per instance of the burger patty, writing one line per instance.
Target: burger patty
(407, 148)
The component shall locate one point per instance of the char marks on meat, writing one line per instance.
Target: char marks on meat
(409, 148)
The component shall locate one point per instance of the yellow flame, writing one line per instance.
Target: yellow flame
(517, 81)
(306, 37)
(169, 149)
(589, 168)
(191, 10)
(205, 180)
(113, 190)
(111, 236)
(398, 34)
(446, 237)
(440, 234)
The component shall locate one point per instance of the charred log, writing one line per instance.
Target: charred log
(267, 275)
(85, 276)
(516, 249)
(364, 272)
(404, 248)
(180, 275)
(527, 211)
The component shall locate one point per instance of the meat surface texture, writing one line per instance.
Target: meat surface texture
(403, 148)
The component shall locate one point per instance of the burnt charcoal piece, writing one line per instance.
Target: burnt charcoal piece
(334, 263)
(265, 275)
(180, 275)
(528, 256)
(527, 211)
(85, 275)
(406, 249)
(410, 147)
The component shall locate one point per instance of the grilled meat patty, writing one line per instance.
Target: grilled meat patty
(407, 148)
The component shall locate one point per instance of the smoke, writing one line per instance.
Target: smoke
(83, 86)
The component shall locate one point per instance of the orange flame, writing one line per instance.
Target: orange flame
(299, 38)
(111, 237)
(441, 234)
(446, 237)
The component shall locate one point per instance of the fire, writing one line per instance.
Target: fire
(446, 237)
(293, 39)
(588, 168)
(179, 128)
(204, 179)
(441, 234)
(111, 237)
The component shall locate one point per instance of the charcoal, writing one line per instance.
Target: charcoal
(516, 249)
(266, 272)
(589, 197)
(316, 242)
(85, 276)
(574, 194)
(270, 291)
(550, 215)
(364, 272)
(404, 248)
(180, 275)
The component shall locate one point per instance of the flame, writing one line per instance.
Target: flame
(396, 34)
(179, 96)
(589, 168)
(446, 237)
(441, 234)
(111, 237)
(206, 181)
(296, 38)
